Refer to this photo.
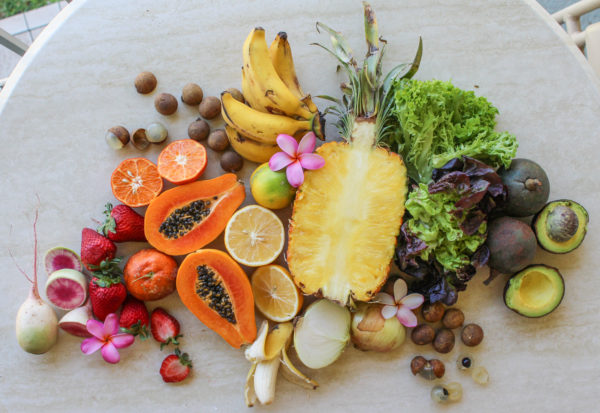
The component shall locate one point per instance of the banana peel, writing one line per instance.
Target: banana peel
(267, 354)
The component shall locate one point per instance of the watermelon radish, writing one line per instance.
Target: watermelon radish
(75, 321)
(66, 288)
(58, 258)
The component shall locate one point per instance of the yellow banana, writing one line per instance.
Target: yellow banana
(250, 149)
(261, 84)
(260, 126)
(283, 62)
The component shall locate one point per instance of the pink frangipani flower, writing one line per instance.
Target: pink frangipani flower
(106, 336)
(400, 305)
(296, 157)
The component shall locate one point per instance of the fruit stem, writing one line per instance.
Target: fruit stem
(532, 184)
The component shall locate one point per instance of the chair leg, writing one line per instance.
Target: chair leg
(12, 43)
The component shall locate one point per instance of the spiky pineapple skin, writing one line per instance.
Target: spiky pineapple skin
(397, 196)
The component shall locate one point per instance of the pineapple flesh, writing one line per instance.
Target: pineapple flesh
(346, 218)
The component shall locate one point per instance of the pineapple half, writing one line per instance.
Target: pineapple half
(347, 214)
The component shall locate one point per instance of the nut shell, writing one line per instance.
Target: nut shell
(210, 107)
(237, 95)
(145, 82)
(165, 104)
(422, 334)
(231, 162)
(117, 137)
(192, 94)
(433, 313)
(472, 335)
(218, 141)
(139, 139)
(444, 341)
(439, 369)
(417, 364)
(199, 130)
(453, 318)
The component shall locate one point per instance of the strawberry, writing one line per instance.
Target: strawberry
(122, 224)
(164, 327)
(95, 248)
(106, 290)
(175, 367)
(134, 317)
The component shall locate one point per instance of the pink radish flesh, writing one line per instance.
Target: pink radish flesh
(65, 293)
(77, 329)
(60, 257)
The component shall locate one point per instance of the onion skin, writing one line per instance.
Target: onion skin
(371, 332)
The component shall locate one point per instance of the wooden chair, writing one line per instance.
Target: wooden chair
(12, 43)
(590, 37)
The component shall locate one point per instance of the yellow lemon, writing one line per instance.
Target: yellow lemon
(271, 189)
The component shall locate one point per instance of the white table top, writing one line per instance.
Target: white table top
(76, 81)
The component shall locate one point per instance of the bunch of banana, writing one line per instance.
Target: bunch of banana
(275, 102)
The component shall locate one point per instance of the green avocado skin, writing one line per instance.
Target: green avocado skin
(523, 202)
(514, 285)
(538, 225)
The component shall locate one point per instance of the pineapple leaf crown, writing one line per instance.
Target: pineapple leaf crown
(366, 94)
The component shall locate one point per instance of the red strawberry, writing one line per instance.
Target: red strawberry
(122, 224)
(134, 317)
(164, 327)
(95, 248)
(106, 290)
(175, 367)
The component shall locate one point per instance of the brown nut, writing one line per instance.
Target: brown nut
(145, 82)
(139, 139)
(417, 364)
(472, 335)
(218, 141)
(210, 107)
(165, 103)
(433, 312)
(444, 341)
(192, 94)
(199, 130)
(453, 318)
(237, 95)
(231, 162)
(438, 368)
(422, 334)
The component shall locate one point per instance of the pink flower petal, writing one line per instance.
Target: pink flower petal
(307, 143)
(95, 328)
(91, 345)
(111, 325)
(384, 298)
(288, 144)
(122, 340)
(311, 161)
(400, 289)
(110, 353)
(412, 301)
(279, 161)
(388, 311)
(406, 317)
(295, 175)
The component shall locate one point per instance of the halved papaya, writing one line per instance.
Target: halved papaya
(217, 291)
(188, 217)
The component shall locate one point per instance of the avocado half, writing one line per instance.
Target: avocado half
(560, 226)
(534, 291)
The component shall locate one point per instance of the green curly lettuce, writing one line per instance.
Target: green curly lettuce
(439, 122)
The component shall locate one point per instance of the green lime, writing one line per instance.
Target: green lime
(271, 189)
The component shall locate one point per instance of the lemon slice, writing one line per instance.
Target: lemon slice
(275, 294)
(254, 236)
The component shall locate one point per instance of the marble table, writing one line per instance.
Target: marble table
(76, 81)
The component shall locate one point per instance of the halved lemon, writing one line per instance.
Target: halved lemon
(275, 294)
(254, 236)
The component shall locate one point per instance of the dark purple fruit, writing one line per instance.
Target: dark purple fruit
(512, 245)
(528, 188)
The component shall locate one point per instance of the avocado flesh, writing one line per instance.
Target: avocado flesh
(545, 239)
(535, 291)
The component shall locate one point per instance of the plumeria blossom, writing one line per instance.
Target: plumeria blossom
(106, 336)
(400, 305)
(296, 157)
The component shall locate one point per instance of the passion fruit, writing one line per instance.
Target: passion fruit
(527, 186)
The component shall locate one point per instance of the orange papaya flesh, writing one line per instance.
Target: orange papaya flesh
(217, 291)
(186, 218)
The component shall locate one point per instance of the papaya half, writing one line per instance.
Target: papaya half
(217, 291)
(187, 217)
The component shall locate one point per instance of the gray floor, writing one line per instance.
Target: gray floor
(29, 25)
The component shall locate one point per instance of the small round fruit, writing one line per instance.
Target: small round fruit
(237, 95)
(231, 162)
(117, 137)
(472, 335)
(433, 312)
(199, 130)
(271, 189)
(422, 334)
(165, 104)
(439, 394)
(527, 187)
(139, 139)
(145, 82)
(156, 133)
(444, 341)
(182, 161)
(217, 140)
(136, 182)
(512, 245)
(453, 318)
(464, 362)
(210, 107)
(192, 94)
(480, 375)
(150, 275)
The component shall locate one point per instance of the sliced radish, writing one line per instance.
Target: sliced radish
(60, 257)
(75, 321)
(66, 288)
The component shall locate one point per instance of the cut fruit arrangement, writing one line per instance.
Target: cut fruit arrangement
(421, 178)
